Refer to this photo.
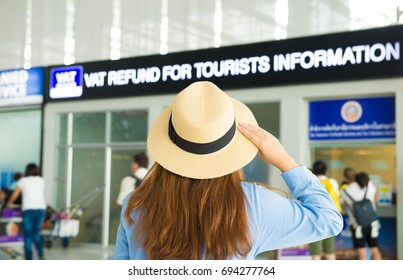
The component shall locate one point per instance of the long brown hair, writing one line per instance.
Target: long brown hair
(184, 218)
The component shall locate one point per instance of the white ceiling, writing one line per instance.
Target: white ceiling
(48, 32)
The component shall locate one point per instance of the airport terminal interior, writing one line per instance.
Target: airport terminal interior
(83, 137)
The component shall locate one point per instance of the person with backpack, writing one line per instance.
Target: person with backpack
(129, 183)
(348, 178)
(327, 245)
(360, 198)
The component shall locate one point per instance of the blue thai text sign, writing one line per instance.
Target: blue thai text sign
(349, 119)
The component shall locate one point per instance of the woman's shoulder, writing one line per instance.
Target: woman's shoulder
(251, 186)
(352, 188)
(125, 204)
(22, 181)
(372, 186)
(257, 191)
(31, 180)
(250, 189)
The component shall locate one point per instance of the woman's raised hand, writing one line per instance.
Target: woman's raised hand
(270, 149)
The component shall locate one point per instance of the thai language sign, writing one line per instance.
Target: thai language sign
(366, 118)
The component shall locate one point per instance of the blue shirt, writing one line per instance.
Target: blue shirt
(13, 186)
(274, 221)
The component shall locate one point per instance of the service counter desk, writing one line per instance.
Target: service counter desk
(386, 211)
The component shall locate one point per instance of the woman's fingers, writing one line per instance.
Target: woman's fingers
(270, 149)
(258, 136)
(251, 132)
(264, 141)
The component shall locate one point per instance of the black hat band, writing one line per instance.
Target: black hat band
(200, 148)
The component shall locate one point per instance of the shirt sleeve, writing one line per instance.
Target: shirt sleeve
(335, 185)
(371, 195)
(21, 183)
(126, 187)
(13, 186)
(122, 245)
(283, 222)
(342, 197)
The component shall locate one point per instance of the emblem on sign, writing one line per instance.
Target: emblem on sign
(351, 111)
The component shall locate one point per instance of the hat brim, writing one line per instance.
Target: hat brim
(234, 156)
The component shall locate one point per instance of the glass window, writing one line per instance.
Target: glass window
(62, 129)
(268, 117)
(88, 127)
(60, 183)
(88, 166)
(20, 139)
(120, 168)
(129, 126)
(87, 185)
(379, 161)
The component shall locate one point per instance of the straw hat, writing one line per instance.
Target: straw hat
(196, 136)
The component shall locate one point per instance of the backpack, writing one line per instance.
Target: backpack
(138, 181)
(363, 210)
(333, 194)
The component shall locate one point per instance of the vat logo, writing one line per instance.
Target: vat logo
(351, 111)
(66, 82)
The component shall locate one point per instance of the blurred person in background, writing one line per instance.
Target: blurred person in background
(129, 183)
(32, 188)
(328, 245)
(365, 235)
(11, 188)
(7, 191)
(348, 178)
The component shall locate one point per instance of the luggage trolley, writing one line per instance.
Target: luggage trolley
(65, 223)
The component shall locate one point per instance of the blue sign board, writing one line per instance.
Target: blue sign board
(66, 82)
(349, 119)
(21, 86)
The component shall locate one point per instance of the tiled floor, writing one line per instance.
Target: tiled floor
(81, 252)
(76, 251)
(57, 252)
